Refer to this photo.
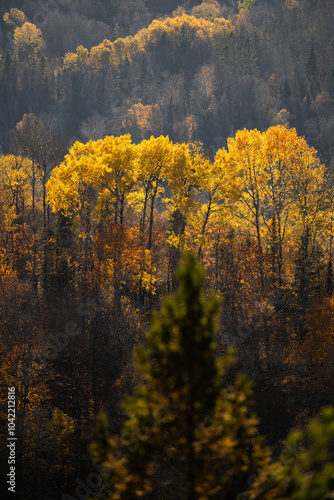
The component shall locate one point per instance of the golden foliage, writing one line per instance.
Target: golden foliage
(28, 39)
(269, 183)
(14, 18)
(14, 188)
(123, 260)
(107, 54)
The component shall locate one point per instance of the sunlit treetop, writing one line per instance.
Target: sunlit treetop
(14, 18)
(28, 39)
(173, 31)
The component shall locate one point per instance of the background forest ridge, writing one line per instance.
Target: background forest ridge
(201, 75)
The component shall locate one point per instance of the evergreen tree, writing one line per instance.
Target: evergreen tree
(305, 469)
(312, 74)
(186, 435)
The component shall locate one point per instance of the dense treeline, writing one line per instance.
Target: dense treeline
(132, 131)
(90, 247)
(202, 73)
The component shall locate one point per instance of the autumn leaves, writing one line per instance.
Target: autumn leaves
(114, 180)
(284, 196)
(174, 31)
(270, 185)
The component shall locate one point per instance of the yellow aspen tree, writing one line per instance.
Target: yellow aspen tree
(28, 40)
(72, 190)
(14, 187)
(219, 191)
(116, 162)
(181, 199)
(281, 148)
(94, 181)
(203, 192)
(154, 158)
(14, 18)
(100, 55)
(92, 185)
(115, 159)
(295, 192)
(245, 148)
(282, 180)
(311, 213)
(247, 179)
(183, 183)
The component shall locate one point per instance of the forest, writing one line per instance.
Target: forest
(166, 248)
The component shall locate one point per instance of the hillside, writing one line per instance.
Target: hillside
(192, 78)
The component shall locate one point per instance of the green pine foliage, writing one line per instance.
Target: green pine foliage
(187, 434)
(305, 470)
